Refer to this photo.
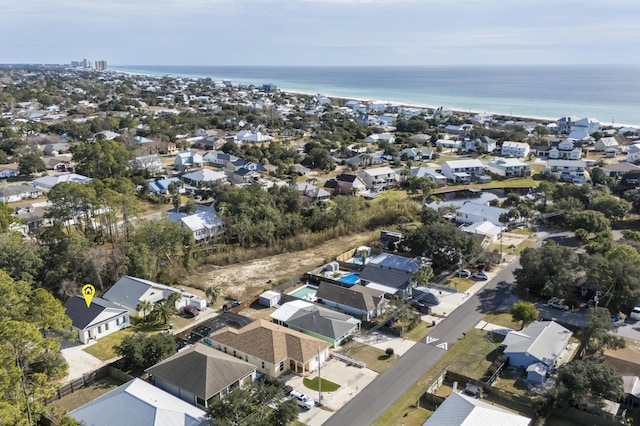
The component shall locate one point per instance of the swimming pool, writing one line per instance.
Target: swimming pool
(350, 278)
(307, 292)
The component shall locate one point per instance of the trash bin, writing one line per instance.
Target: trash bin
(170, 326)
(433, 323)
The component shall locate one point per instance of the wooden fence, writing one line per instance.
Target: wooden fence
(87, 380)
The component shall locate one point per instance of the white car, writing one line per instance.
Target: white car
(303, 400)
(463, 273)
(555, 303)
(480, 276)
(635, 313)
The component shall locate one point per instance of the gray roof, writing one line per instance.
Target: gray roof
(544, 341)
(201, 370)
(323, 321)
(139, 403)
(128, 291)
(463, 410)
(390, 278)
(81, 316)
(356, 296)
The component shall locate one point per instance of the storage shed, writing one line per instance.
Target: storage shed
(269, 298)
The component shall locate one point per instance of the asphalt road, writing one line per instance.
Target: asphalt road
(373, 400)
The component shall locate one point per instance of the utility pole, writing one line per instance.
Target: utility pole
(319, 381)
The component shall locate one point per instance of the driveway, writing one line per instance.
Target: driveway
(577, 318)
(629, 329)
(80, 362)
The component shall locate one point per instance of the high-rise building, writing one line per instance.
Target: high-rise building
(101, 65)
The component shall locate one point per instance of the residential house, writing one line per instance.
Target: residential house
(365, 159)
(97, 320)
(391, 274)
(161, 187)
(349, 183)
(564, 125)
(150, 163)
(139, 403)
(317, 321)
(205, 224)
(379, 179)
(34, 217)
(567, 149)
(472, 212)
(485, 228)
(301, 170)
(9, 171)
(244, 171)
(515, 149)
(312, 193)
(633, 153)
(509, 167)
(380, 137)
(416, 154)
(251, 136)
(431, 173)
(483, 144)
(129, 291)
(273, 349)
(616, 170)
(583, 128)
(107, 135)
(45, 183)
(464, 410)
(200, 374)
(59, 163)
(536, 348)
(363, 302)
(204, 177)
(55, 148)
(452, 144)
(13, 193)
(568, 170)
(186, 160)
(462, 171)
(606, 143)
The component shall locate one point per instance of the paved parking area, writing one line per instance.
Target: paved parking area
(351, 380)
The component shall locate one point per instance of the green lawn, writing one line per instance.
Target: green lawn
(103, 348)
(419, 332)
(476, 358)
(404, 405)
(375, 359)
(82, 396)
(503, 319)
(325, 385)
(461, 284)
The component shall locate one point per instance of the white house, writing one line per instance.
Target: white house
(633, 153)
(12, 193)
(204, 177)
(462, 410)
(8, 171)
(485, 228)
(378, 137)
(606, 143)
(205, 223)
(47, 182)
(515, 149)
(151, 163)
(583, 128)
(481, 144)
(509, 167)
(472, 212)
(187, 159)
(431, 173)
(567, 149)
(252, 137)
(568, 170)
(379, 179)
(462, 171)
(97, 320)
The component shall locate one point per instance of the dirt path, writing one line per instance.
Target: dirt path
(250, 278)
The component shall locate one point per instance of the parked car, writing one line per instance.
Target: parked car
(231, 304)
(480, 276)
(555, 303)
(287, 390)
(463, 273)
(303, 400)
(191, 310)
(635, 313)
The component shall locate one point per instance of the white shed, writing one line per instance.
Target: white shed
(269, 298)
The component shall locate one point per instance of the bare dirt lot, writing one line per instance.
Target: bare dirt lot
(250, 278)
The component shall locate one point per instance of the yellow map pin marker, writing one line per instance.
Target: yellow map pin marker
(88, 291)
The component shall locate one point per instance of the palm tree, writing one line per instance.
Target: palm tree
(145, 307)
(162, 311)
(213, 292)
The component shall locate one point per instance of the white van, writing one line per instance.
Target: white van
(635, 313)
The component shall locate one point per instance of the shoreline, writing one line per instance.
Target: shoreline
(407, 104)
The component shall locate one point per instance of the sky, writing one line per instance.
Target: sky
(321, 32)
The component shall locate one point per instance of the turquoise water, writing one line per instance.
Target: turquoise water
(349, 279)
(609, 93)
(305, 292)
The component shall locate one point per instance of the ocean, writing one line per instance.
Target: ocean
(610, 93)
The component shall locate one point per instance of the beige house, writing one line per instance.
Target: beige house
(273, 349)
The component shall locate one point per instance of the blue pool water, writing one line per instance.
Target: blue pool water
(349, 279)
(306, 292)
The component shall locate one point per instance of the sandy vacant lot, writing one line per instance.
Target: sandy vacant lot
(250, 278)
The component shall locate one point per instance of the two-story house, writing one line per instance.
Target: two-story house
(515, 149)
(482, 144)
(567, 149)
(509, 167)
(186, 160)
(379, 179)
(568, 170)
(462, 171)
